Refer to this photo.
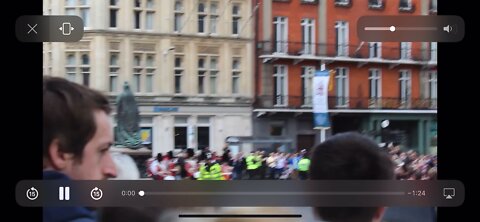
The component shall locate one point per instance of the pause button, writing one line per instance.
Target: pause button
(64, 193)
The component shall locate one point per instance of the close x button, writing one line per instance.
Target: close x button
(38, 28)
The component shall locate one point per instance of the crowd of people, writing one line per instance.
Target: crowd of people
(412, 166)
(207, 165)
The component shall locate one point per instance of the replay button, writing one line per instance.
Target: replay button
(38, 28)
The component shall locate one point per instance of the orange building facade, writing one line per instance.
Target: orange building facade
(370, 81)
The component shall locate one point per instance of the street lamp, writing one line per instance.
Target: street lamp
(384, 124)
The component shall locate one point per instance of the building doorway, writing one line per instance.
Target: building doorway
(305, 142)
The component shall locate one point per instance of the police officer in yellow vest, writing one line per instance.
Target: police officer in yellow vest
(303, 166)
(259, 162)
(252, 165)
(211, 170)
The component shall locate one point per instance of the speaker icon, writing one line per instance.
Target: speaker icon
(447, 28)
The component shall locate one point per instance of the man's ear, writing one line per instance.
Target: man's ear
(379, 214)
(58, 159)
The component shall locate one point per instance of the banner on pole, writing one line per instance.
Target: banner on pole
(320, 99)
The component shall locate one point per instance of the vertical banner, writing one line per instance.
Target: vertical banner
(320, 99)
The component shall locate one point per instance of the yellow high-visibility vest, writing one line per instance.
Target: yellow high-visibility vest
(303, 164)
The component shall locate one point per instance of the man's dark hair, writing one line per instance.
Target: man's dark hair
(349, 156)
(190, 152)
(68, 114)
(170, 155)
(159, 157)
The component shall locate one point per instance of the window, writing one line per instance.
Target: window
(375, 88)
(71, 68)
(136, 19)
(342, 2)
(405, 4)
(114, 72)
(375, 3)
(201, 75)
(341, 29)
(150, 14)
(208, 17)
(137, 73)
(281, 34)
(203, 137)
(146, 135)
(47, 59)
(213, 17)
(207, 71)
(78, 67)
(308, 36)
(180, 132)
(375, 49)
(177, 23)
(80, 8)
(202, 17)
(213, 75)
(85, 68)
(143, 14)
(276, 129)
(70, 7)
(113, 13)
(143, 72)
(429, 88)
(150, 68)
(433, 5)
(307, 84)
(432, 83)
(405, 88)
(236, 19)
(433, 53)
(236, 73)
(341, 83)
(178, 73)
(180, 137)
(405, 50)
(203, 132)
(280, 80)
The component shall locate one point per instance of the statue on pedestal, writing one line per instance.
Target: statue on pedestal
(128, 120)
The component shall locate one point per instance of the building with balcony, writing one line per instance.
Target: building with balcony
(189, 64)
(370, 81)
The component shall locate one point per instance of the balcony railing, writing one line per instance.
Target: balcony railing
(335, 102)
(363, 51)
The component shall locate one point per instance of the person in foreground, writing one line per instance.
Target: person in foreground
(77, 136)
(350, 156)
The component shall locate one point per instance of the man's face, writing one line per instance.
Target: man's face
(96, 162)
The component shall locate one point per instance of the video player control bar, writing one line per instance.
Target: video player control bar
(148, 193)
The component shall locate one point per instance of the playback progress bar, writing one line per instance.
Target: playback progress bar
(275, 193)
